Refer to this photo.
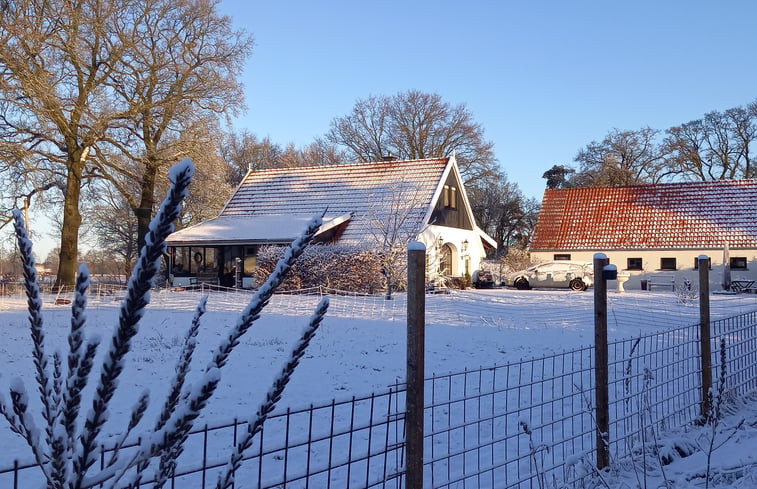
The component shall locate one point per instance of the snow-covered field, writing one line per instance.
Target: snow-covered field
(359, 349)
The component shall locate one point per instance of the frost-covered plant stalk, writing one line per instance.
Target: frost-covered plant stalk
(65, 448)
(534, 450)
(710, 442)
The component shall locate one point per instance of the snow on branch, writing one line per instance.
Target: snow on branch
(132, 309)
(34, 306)
(67, 448)
(226, 479)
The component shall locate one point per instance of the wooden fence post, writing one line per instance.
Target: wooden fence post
(704, 331)
(601, 389)
(416, 322)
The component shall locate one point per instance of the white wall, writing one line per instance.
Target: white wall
(651, 264)
(474, 251)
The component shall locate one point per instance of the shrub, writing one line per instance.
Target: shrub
(516, 259)
(340, 267)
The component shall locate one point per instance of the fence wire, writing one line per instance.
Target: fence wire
(512, 309)
(525, 423)
(516, 425)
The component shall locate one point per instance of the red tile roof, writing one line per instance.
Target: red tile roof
(692, 215)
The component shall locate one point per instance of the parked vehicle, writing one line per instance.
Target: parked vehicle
(562, 273)
(483, 280)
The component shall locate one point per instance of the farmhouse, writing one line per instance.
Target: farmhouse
(654, 233)
(362, 205)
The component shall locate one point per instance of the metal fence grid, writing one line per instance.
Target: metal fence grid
(504, 426)
(510, 425)
(357, 443)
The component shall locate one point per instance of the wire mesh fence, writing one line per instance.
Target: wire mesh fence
(514, 425)
(356, 443)
(522, 424)
(497, 308)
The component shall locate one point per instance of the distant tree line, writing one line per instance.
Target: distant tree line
(407, 125)
(98, 98)
(719, 146)
(101, 96)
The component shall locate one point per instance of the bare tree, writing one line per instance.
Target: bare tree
(391, 227)
(178, 75)
(414, 125)
(243, 151)
(55, 107)
(115, 228)
(716, 147)
(116, 77)
(622, 158)
(743, 121)
(210, 190)
(321, 152)
(503, 212)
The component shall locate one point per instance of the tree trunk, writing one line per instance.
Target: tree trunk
(388, 293)
(146, 203)
(69, 237)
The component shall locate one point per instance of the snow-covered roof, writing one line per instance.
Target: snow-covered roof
(270, 205)
(691, 215)
(253, 229)
(486, 239)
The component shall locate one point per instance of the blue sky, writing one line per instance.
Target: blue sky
(542, 78)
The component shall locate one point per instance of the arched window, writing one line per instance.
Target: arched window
(445, 260)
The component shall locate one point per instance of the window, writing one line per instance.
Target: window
(564, 256)
(696, 263)
(249, 264)
(738, 263)
(450, 197)
(634, 264)
(181, 261)
(667, 264)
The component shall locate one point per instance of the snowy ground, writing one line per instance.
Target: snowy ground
(360, 348)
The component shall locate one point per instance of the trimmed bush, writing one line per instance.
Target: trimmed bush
(341, 267)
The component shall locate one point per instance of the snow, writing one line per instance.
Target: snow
(265, 228)
(356, 352)
(416, 246)
(180, 168)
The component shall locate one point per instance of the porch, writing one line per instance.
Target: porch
(213, 265)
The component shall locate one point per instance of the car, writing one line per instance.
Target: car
(562, 273)
(483, 280)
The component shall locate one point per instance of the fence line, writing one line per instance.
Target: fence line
(507, 426)
(461, 307)
(357, 443)
(502, 426)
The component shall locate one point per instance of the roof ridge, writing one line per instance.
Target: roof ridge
(697, 183)
(351, 164)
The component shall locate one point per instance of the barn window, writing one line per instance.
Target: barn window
(449, 197)
(634, 264)
(667, 264)
(738, 263)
